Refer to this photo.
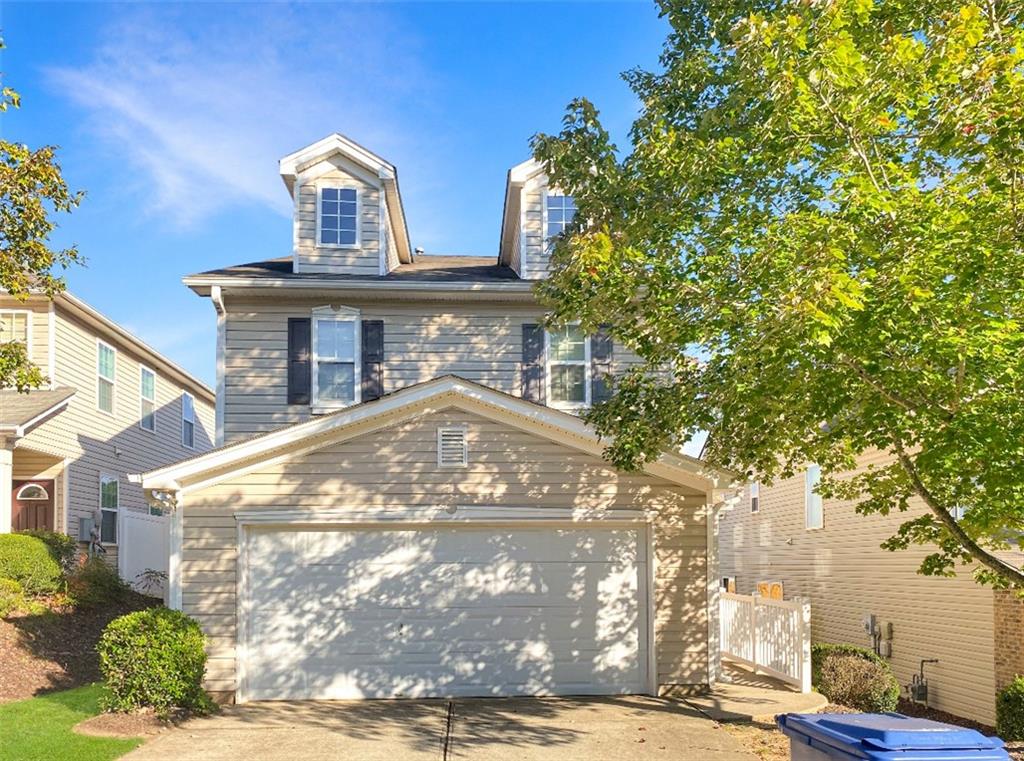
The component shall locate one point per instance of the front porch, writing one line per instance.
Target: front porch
(33, 484)
(33, 488)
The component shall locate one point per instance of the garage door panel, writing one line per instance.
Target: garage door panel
(344, 614)
(446, 585)
(460, 545)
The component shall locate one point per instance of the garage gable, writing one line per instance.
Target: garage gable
(397, 465)
(448, 392)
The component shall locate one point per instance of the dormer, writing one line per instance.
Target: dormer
(348, 217)
(534, 213)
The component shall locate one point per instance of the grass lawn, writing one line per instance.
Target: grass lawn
(39, 729)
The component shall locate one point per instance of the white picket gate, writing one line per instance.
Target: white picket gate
(771, 636)
(143, 545)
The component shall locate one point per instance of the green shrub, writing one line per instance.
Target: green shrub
(854, 677)
(28, 560)
(63, 548)
(95, 582)
(1010, 711)
(12, 597)
(154, 658)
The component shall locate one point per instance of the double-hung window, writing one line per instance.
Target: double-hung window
(14, 326)
(568, 367)
(338, 217)
(813, 508)
(188, 420)
(109, 505)
(335, 358)
(755, 497)
(560, 212)
(106, 360)
(147, 395)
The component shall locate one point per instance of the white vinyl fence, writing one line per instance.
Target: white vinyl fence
(770, 636)
(143, 551)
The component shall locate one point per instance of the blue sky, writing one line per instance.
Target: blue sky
(172, 119)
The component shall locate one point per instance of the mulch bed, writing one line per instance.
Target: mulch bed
(138, 724)
(56, 650)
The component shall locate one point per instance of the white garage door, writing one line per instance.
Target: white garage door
(452, 611)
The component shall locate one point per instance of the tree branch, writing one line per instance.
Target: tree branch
(987, 559)
(892, 396)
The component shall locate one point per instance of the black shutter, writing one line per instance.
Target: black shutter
(298, 360)
(373, 360)
(533, 363)
(601, 365)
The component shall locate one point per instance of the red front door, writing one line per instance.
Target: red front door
(32, 505)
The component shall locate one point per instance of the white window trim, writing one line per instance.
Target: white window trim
(21, 491)
(808, 496)
(340, 185)
(193, 420)
(755, 494)
(116, 510)
(587, 370)
(441, 431)
(113, 381)
(28, 325)
(142, 371)
(345, 314)
(548, 193)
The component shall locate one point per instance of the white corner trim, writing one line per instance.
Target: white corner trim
(217, 297)
(174, 555)
(51, 348)
(711, 552)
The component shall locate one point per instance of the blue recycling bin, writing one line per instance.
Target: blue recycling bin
(884, 737)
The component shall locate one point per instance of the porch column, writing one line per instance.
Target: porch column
(6, 478)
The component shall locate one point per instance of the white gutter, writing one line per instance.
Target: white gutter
(207, 281)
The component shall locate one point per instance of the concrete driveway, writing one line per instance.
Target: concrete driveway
(582, 729)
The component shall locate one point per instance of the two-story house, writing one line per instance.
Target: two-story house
(112, 406)
(405, 502)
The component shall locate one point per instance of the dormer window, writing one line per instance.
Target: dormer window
(335, 357)
(560, 212)
(338, 218)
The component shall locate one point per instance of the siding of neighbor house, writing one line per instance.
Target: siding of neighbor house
(363, 259)
(846, 574)
(94, 442)
(396, 466)
(481, 342)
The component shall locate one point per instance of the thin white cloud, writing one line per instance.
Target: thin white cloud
(194, 106)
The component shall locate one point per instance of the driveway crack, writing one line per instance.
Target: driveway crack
(449, 725)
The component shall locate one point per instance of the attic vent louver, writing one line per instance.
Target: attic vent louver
(452, 449)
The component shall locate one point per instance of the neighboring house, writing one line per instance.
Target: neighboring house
(406, 503)
(823, 550)
(112, 406)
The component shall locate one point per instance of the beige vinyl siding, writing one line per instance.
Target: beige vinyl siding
(363, 259)
(846, 574)
(38, 311)
(397, 466)
(479, 342)
(535, 257)
(94, 442)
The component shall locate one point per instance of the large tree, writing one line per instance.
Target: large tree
(818, 227)
(32, 188)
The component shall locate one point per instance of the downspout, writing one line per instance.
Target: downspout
(217, 297)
